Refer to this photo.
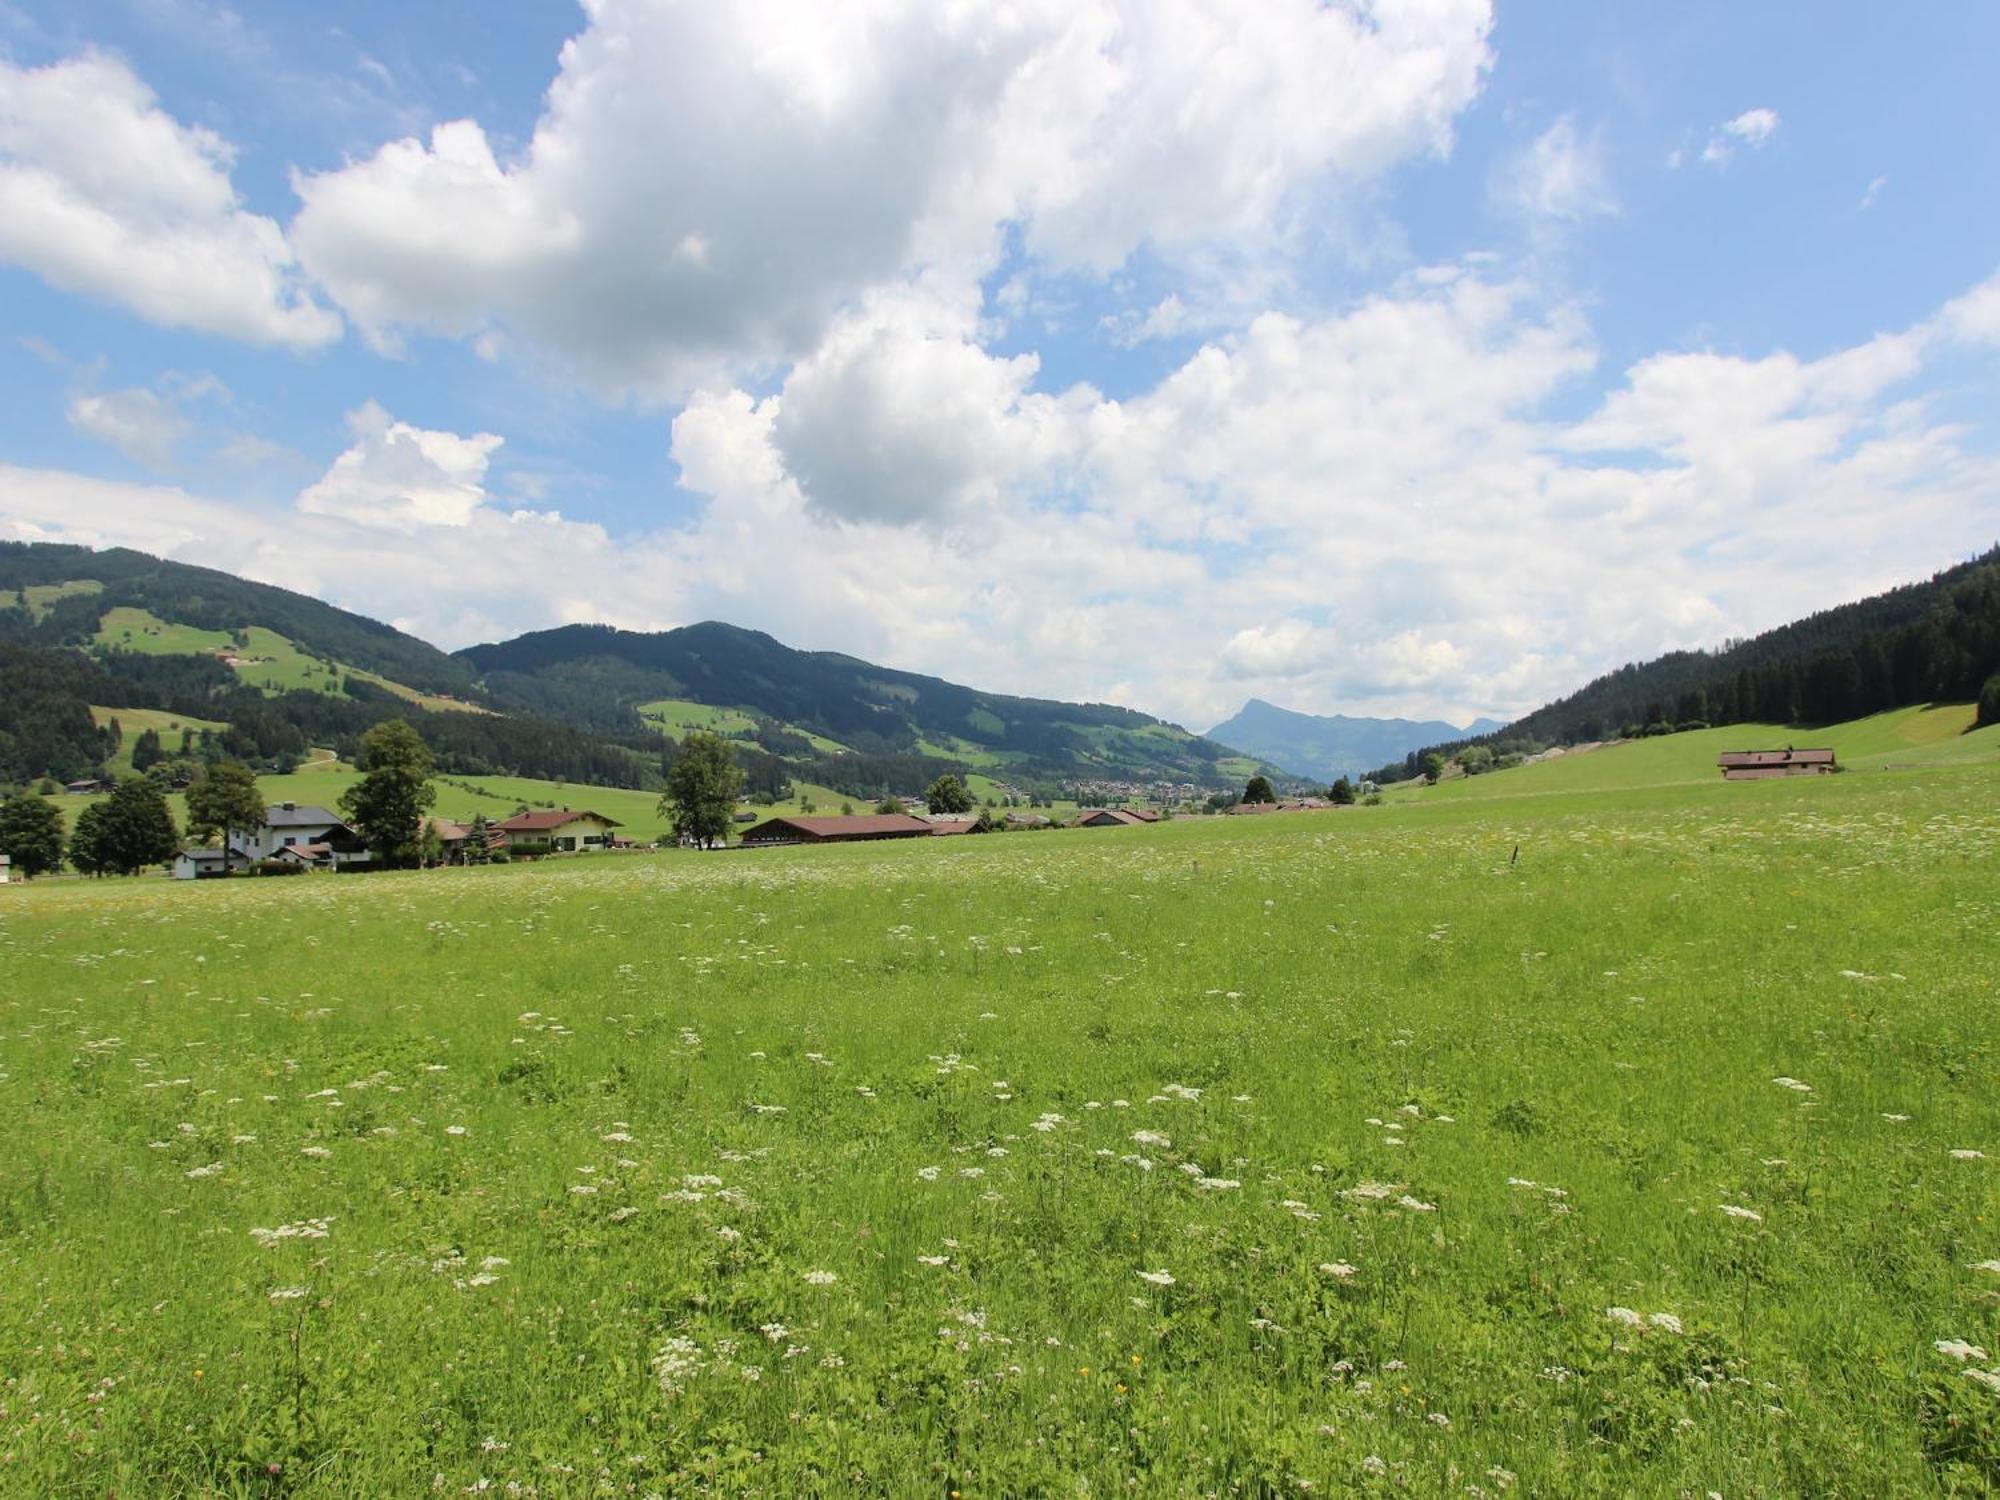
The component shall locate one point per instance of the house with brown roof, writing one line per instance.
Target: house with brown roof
(837, 829)
(1766, 765)
(557, 830)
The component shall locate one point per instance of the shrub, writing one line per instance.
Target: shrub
(1989, 702)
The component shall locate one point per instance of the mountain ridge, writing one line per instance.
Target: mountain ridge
(1327, 746)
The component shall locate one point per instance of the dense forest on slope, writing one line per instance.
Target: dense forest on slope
(1929, 642)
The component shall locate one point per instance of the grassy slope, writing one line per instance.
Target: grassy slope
(1605, 1018)
(41, 595)
(270, 662)
(1903, 737)
(133, 722)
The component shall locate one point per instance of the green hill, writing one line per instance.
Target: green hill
(824, 705)
(1900, 739)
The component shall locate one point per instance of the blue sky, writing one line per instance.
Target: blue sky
(1421, 357)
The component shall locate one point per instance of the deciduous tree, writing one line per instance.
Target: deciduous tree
(1259, 790)
(948, 795)
(224, 801)
(702, 787)
(31, 835)
(386, 806)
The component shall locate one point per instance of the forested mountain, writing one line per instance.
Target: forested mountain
(597, 674)
(1929, 642)
(283, 672)
(203, 598)
(1326, 746)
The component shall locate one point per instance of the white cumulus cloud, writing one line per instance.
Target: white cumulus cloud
(403, 477)
(105, 194)
(711, 188)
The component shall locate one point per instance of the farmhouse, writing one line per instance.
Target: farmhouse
(837, 830)
(557, 831)
(1763, 765)
(86, 787)
(289, 824)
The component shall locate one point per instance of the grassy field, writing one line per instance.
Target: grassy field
(39, 597)
(265, 659)
(133, 722)
(1904, 738)
(1345, 1152)
(678, 716)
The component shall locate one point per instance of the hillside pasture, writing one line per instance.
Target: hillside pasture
(263, 658)
(133, 722)
(39, 597)
(1339, 1152)
(1902, 738)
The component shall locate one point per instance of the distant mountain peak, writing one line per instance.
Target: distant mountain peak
(1325, 746)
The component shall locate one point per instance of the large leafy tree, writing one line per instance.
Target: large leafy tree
(124, 834)
(225, 801)
(702, 787)
(31, 834)
(387, 805)
(1341, 793)
(86, 841)
(1259, 790)
(948, 795)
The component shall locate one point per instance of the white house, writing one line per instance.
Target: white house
(295, 824)
(557, 831)
(200, 863)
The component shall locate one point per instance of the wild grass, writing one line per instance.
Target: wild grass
(1338, 1152)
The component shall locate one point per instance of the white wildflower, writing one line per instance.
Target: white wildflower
(1737, 1211)
(1793, 1084)
(1962, 1154)
(1667, 1321)
(930, 1174)
(821, 1278)
(1161, 1277)
(1339, 1269)
(1152, 1138)
(287, 1293)
(1624, 1315)
(317, 1153)
(454, 1130)
(213, 1169)
(1959, 1349)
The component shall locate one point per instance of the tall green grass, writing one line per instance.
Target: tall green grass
(1347, 1151)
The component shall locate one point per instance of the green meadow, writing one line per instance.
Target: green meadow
(1627, 1142)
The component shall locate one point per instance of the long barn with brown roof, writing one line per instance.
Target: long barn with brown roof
(844, 829)
(1764, 765)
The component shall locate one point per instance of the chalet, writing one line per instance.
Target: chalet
(948, 825)
(1765, 765)
(850, 828)
(86, 787)
(1026, 820)
(289, 824)
(557, 831)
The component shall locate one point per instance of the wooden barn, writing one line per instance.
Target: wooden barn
(1764, 765)
(847, 829)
